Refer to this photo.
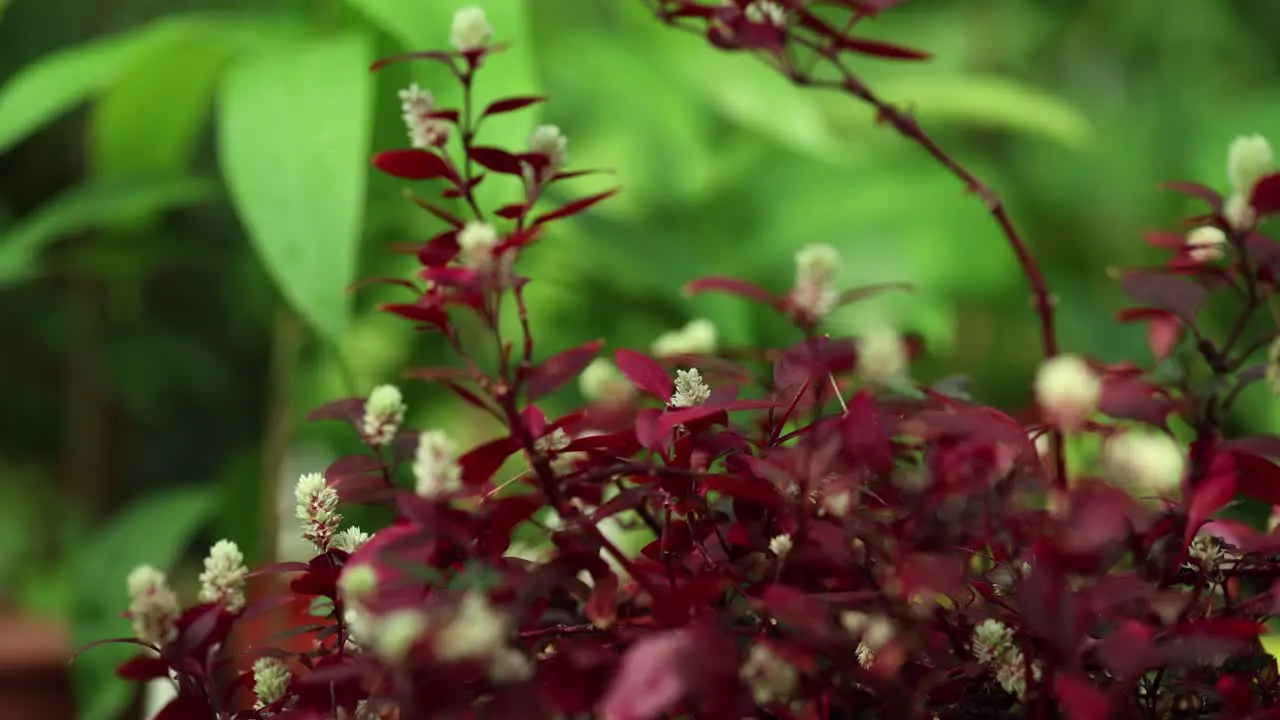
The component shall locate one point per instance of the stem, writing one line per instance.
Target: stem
(286, 351)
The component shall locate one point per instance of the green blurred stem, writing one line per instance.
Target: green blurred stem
(286, 357)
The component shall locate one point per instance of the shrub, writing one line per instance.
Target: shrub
(831, 537)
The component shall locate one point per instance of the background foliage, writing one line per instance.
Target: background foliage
(186, 193)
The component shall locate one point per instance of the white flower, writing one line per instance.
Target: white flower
(854, 621)
(602, 381)
(1144, 462)
(691, 391)
(477, 241)
(317, 509)
(770, 677)
(1012, 673)
(1204, 553)
(383, 413)
(555, 441)
(866, 656)
(270, 680)
(416, 107)
(780, 545)
(1067, 390)
(882, 356)
(351, 539)
(509, 666)
(766, 11)
(435, 466)
(153, 606)
(698, 337)
(814, 293)
(476, 631)
(879, 631)
(471, 30)
(1238, 211)
(361, 627)
(224, 576)
(991, 640)
(357, 581)
(396, 633)
(549, 141)
(1248, 158)
(1204, 244)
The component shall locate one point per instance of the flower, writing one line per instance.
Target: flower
(350, 540)
(1238, 211)
(271, 679)
(471, 30)
(766, 12)
(477, 241)
(814, 293)
(991, 640)
(357, 581)
(691, 391)
(435, 465)
(547, 140)
(317, 509)
(509, 665)
(395, 634)
(1204, 244)
(476, 631)
(555, 441)
(383, 413)
(224, 576)
(882, 356)
(1067, 390)
(153, 606)
(602, 381)
(770, 677)
(780, 545)
(417, 106)
(1249, 157)
(698, 337)
(1144, 462)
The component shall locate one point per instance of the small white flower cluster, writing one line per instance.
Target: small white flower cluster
(471, 30)
(271, 678)
(547, 140)
(815, 294)
(993, 645)
(1144, 462)
(383, 414)
(153, 606)
(1207, 553)
(318, 510)
(553, 444)
(1067, 390)
(350, 540)
(767, 12)
(873, 633)
(1205, 243)
(781, 545)
(698, 337)
(1249, 158)
(602, 381)
(224, 576)
(435, 465)
(416, 107)
(691, 391)
(882, 356)
(477, 240)
(771, 678)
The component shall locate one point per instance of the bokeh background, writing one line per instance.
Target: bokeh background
(185, 193)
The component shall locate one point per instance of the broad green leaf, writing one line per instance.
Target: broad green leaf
(86, 207)
(990, 101)
(293, 143)
(1270, 644)
(154, 531)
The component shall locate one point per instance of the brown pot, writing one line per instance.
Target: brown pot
(35, 679)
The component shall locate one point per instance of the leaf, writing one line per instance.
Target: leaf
(512, 104)
(155, 531)
(574, 207)
(732, 286)
(644, 373)
(87, 207)
(414, 164)
(497, 160)
(294, 131)
(1159, 290)
(1266, 195)
(560, 369)
(877, 48)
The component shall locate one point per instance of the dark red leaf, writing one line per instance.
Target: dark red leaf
(867, 291)
(280, 567)
(862, 46)
(1207, 498)
(497, 160)
(511, 212)
(479, 465)
(186, 707)
(1194, 190)
(644, 373)
(649, 430)
(575, 207)
(370, 282)
(744, 489)
(733, 286)
(426, 314)
(441, 213)
(1266, 195)
(413, 164)
(440, 57)
(346, 409)
(468, 397)
(559, 369)
(1256, 477)
(507, 105)
(1177, 295)
(434, 374)
(1080, 698)
(143, 667)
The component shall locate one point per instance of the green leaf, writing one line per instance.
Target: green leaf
(154, 531)
(1270, 644)
(86, 207)
(293, 141)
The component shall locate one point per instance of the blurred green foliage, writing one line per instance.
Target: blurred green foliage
(183, 178)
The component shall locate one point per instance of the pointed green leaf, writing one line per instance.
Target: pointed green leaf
(294, 129)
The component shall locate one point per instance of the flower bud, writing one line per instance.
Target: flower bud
(383, 413)
(1204, 244)
(435, 465)
(882, 356)
(1144, 462)
(270, 680)
(357, 581)
(416, 107)
(1239, 213)
(396, 633)
(350, 540)
(476, 241)
(471, 30)
(814, 293)
(224, 576)
(549, 141)
(1067, 390)
(476, 631)
(317, 509)
(1248, 158)
(766, 12)
(602, 381)
(781, 545)
(698, 337)
(691, 391)
(153, 606)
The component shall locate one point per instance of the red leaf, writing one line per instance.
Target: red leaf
(866, 291)
(511, 212)
(441, 213)
(426, 314)
(1209, 497)
(683, 416)
(1080, 698)
(434, 374)
(507, 105)
(440, 57)
(601, 609)
(1194, 190)
(479, 465)
(757, 492)
(649, 431)
(497, 160)
(575, 207)
(413, 164)
(142, 668)
(650, 680)
(733, 286)
(1266, 195)
(1177, 295)
(1257, 477)
(559, 369)
(645, 373)
(186, 707)
(877, 48)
